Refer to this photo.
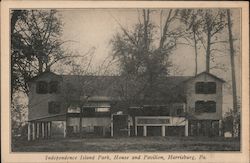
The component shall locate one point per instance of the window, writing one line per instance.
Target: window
(74, 109)
(205, 107)
(199, 87)
(211, 106)
(88, 112)
(211, 87)
(54, 87)
(102, 109)
(205, 88)
(42, 87)
(54, 107)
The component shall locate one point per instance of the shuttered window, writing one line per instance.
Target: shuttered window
(205, 88)
(205, 107)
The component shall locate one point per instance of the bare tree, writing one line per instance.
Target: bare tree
(193, 22)
(214, 23)
(144, 56)
(35, 44)
(230, 38)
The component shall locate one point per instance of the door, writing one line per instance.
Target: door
(120, 125)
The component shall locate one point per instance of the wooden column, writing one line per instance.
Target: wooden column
(135, 127)
(37, 130)
(163, 130)
(64, 131)
(49, 129)
(144, 130)
(186, 127)
(128, 127)
(135, 130)
(29, 131)
(220, 128)
(33, 131)
(112, 127)
(42, 130)
(80, 122)
(198, 128)
(46, 130)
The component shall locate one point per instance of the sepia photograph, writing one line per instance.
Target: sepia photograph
(125, 80)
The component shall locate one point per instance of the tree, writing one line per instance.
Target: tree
(35, 44)
(143, 56)
(230, 38)
(193, 22)
(138, 54)
(35, 47)
(214, 23)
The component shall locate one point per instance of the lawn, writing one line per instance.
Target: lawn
(130, 144)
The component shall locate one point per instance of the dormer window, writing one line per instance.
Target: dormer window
(54, 87)
(42, 87)
(205, 88)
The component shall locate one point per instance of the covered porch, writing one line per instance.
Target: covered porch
(41, 128)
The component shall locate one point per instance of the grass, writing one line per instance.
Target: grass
(129, 144)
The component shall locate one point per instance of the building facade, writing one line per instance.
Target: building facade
(87, 106)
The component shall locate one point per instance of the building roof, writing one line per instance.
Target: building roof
(166, 89)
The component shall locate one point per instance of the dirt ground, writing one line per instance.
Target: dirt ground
(129, 144)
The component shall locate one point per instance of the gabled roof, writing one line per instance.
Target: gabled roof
(168, 89)
(207, 73)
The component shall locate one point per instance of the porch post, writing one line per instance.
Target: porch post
(144, 130)
(42, 130)
(220, 128)
(37, 130)
(33, 131)
(186, 127)
(112, 127)
(64, 131)
(128, 127)
(198, 128)
(135, 126)
(49, 129)
(29, 129)
(45, 130)
(163, 130)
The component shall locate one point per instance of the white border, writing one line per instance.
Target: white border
(229, 157)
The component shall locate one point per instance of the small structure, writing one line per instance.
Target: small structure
(87, 106)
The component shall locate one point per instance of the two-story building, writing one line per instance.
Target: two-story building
(93, 106)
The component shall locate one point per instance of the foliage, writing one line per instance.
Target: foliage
(35, 44)
(228, 120)
(203, 29)
(140, 58)
(19, 113)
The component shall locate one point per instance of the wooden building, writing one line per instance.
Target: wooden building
(82, 106)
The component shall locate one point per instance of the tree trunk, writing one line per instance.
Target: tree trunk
(196, 52)
(40, 65)
(235, 125)
(208, 49)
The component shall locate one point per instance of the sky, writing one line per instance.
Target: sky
(88, 28)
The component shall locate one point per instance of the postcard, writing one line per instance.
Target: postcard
(124, 81)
